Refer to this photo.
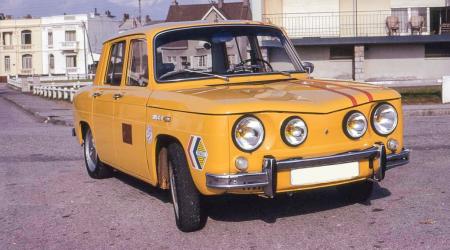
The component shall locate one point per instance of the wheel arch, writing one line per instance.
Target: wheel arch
(161, 160)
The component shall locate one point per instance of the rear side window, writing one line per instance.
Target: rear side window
(115, 64)
(137, 74)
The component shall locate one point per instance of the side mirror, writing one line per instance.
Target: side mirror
(309, 67)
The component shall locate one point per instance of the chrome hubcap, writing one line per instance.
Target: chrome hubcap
(91, 153)
(173, 190)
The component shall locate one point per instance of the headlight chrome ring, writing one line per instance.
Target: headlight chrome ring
(294, 131)
(384, 119)
(354, 125)
(248, 133)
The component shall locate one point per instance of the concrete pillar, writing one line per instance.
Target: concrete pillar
(446, 89)
(358, 63)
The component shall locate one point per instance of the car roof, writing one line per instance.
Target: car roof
(159, 27)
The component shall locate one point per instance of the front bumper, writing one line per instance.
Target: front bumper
(267, 178)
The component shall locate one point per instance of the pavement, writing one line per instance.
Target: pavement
(48, 201)
(60, 112)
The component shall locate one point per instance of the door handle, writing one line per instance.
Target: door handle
(96, 94)
(117, 96)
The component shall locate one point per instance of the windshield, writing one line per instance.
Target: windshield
(223, 52)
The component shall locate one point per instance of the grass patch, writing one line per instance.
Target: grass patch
(421, 95)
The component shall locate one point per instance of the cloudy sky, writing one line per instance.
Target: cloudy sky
(157, 9)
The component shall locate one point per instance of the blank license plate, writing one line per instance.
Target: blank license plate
(324, 174)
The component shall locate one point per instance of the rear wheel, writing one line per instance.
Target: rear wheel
(358, 191)
(95, 168)
(187, 200)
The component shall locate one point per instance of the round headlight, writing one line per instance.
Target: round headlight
(355, 124)
(248, 133)
(294, 131)
(384, 119)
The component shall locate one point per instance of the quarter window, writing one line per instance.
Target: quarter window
(115, 65)
(138, 65)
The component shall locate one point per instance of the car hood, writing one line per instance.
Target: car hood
(298, 96)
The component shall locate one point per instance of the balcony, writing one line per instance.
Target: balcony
(7, 47)
(25, 46)
(69, 45)
(26, 71)
(71, 70)
(361, 24)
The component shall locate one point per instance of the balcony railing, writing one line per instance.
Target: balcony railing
(352, 24)
(7, 47)
(71, 70)
(25, 46)
(69, 45)
(26, 71)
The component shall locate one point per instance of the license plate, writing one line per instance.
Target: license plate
(324, 174)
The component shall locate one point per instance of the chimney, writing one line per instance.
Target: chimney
(174, 2)
(246, 2)
(220, 4)
(126, 16)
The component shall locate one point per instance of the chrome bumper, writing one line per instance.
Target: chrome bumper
(267, 178)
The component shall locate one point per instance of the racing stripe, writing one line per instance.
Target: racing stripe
(321, 86)
(368, 94)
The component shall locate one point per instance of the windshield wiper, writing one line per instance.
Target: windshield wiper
(225, 78)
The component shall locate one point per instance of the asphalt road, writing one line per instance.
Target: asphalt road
(47, 201)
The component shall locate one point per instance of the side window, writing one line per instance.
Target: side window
(115, 65)
(138, 65)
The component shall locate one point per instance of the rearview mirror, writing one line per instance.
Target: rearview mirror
(309, 67)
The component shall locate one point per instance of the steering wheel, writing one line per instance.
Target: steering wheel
(242, 63)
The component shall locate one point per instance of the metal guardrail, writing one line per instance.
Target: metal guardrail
(352, 24)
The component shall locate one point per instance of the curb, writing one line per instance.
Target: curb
(37, 115)
(427, 112)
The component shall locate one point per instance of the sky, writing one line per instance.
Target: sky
(157, 9)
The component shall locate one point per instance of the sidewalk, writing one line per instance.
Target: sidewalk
(45, 110)
(60, 112)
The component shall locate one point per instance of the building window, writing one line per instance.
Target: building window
(71, 61)
(7, 38)
(231, 59)
(138, 70)
(71, 35)
(7, 63)
(341, 52)
(26, 37)
(437, 50)
(172, 59)
(201, 61)
(27, 61)
(402, 14)
(51, 61)
(50, 38)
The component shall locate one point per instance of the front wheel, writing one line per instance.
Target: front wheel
(95, 168)
(358, 191)
(187, 200)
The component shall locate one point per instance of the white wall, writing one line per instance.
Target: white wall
(403, 62)
(323, 66)
(417, 3)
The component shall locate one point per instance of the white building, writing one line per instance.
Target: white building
(65, 49)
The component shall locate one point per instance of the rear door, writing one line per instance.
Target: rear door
(130, 112)
(104, 103)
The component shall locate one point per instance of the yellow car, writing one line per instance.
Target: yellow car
(228, 107)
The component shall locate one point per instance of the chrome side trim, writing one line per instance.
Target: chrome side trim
(327, 160)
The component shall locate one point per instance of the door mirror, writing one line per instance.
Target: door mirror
(309, 67)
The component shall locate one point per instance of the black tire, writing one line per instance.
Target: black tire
(95, 168)
(358, 191)
(187, 201)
